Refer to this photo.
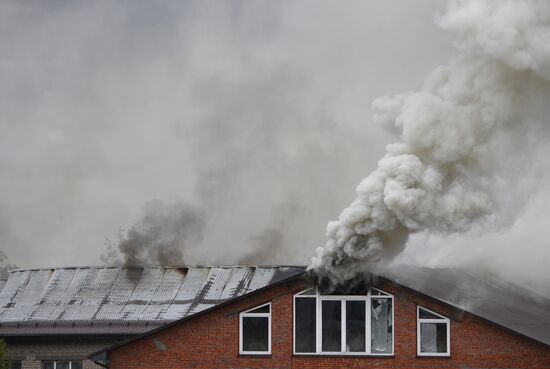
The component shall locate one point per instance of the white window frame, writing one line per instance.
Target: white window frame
(319, 298)
(248, 314)
(56, 361)
(440, 320)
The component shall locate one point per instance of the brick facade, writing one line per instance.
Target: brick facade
(212, 340)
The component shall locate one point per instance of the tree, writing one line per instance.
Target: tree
(4, 362)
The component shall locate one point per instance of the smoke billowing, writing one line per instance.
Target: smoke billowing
(257, 114)
(456, 163)
(237, 108)
(159, 238)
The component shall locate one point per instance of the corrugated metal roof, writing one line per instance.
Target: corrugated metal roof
(109, 300)
(2, 283)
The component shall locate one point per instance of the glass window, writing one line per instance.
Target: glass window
(332, 325)
(355, 326)
(433, 334)
(381, 325)
(61, 364)
(255, 330)
(425, 314)
(344, 324)
(434, 337)
(305, 325)
(310, 292)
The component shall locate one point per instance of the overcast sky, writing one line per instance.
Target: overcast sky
(257, 113)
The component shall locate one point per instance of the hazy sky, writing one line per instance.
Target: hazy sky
(255, 112)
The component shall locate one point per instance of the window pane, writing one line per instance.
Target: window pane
(310, 292)
(355, 326)
(47, 365)
(263, 309)
(255, 333)
(305, 324)
(381, 326)
(62, 365)
(76, 364)
(15, 365)
(433, 337)
(376, 292)
(332, 325)
(424, 314)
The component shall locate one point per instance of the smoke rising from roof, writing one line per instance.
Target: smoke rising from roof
(159, 238)
(5, 265)
(455, 164)
(238, 109)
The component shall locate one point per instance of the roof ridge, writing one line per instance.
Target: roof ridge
(157, 267)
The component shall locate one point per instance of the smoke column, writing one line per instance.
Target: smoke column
(159, 238)
(452, 169)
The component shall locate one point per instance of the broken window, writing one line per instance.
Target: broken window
(433, 333)
(255, 330)
(381, 325)
(344, 324)
(61, 364)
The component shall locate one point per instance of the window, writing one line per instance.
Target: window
(255, 330)
(343, 324)
(433, 333)
(61, 364)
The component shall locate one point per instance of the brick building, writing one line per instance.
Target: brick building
(416, 318)
(53, 318)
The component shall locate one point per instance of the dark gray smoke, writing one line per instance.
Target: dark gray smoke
(159, 238)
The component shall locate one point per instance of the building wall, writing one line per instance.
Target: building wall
(32, 351)
(211, 340)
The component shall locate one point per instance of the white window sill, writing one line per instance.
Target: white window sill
(342, 354)
(255, 353)
(435, 354)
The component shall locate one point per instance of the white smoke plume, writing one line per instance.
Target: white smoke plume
(455, 164)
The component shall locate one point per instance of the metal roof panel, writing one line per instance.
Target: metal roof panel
(50, 297)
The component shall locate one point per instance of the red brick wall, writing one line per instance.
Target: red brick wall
(211, 340)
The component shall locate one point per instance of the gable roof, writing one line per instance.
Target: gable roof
(121, 301)
(508, 305)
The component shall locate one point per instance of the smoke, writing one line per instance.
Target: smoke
(235, 108)
(159, 238)
(269, 243)
(5, 265)
(466, 140)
